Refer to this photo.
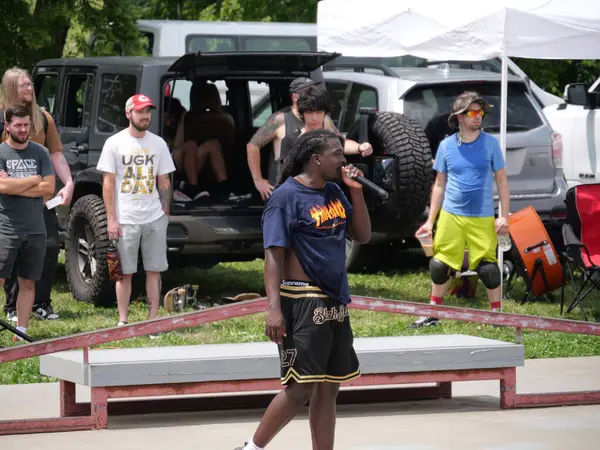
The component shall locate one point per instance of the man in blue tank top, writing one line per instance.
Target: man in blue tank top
(305, 223)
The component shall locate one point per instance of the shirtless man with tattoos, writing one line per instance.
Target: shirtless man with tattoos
(138, 213)
(279, 125)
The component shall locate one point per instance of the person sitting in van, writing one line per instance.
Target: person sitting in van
(173, 112)
(203, 135)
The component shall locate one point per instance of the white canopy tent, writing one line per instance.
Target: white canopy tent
(462, 30)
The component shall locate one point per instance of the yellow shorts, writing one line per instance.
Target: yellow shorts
(454, 234)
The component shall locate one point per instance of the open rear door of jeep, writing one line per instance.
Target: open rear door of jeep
(231, 227)
(277, 64)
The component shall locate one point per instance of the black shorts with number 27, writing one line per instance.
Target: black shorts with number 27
(319, 342)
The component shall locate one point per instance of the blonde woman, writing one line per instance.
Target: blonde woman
(18, 90)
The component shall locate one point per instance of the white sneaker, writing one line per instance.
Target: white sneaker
(45, 312)
(179, 196)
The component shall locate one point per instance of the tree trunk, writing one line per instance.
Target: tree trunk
(55, 18)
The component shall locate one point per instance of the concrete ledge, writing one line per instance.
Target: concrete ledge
(260, 360)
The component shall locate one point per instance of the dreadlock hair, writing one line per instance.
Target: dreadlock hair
(313, 99)
(307, 144)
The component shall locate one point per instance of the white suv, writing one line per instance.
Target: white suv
(578, 121)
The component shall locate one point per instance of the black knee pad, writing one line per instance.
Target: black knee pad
(489, 274)
(440, 271)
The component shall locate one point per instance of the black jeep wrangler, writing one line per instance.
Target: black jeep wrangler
(86, 97)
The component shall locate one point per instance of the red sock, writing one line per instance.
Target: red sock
(436, 300)
(497, 305)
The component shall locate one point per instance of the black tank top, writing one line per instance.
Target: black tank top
(293, 125)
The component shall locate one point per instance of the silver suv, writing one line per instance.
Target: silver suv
(533, 151)
(425, 95)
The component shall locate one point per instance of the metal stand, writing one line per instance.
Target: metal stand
(518, 268)
(7, 326)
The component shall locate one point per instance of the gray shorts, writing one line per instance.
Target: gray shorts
(152, 238)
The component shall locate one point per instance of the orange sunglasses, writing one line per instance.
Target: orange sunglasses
(472, 113)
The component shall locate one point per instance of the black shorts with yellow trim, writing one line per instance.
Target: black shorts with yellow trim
(319, 342)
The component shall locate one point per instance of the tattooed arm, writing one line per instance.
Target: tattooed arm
(164, 192)
(265, 134)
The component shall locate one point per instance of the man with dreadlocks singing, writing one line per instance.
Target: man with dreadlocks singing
(304, 227)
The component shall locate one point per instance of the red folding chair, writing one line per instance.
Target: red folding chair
(581, 235)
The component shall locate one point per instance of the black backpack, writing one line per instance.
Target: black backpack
(44, 118)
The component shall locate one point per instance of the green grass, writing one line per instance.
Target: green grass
(407, 280)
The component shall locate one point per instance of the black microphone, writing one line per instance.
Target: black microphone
(382, 193)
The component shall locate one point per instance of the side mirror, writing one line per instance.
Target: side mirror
(576, 94)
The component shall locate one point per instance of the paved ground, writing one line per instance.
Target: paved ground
(470, 420)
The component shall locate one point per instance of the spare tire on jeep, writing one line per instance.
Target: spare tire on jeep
(397, 135)
(394, 134)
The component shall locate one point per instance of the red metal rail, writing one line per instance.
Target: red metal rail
(475, 315)
(160, 325)
(165, 324)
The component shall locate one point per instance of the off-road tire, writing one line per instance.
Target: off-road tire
(395, 134)
(97, 289)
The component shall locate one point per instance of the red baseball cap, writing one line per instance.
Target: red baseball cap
(138, 101)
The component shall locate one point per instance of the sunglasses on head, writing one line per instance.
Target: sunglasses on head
(474, 113)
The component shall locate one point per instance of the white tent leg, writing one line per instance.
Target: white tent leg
(503, 121)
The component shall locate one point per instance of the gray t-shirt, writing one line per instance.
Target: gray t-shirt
(19, 214)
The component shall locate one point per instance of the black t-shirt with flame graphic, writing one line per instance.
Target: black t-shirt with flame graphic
(313, 222)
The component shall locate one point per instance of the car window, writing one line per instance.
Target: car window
(180, 89)
(361, 96)
(428, 103)
(78, 101)
(114, 92)
(338, 91)
(46, 87)
(210, 44)
(262, 111)
(276, 44)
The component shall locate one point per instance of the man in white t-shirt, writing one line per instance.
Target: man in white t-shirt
(136, 164)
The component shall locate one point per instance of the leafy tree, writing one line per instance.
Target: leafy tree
(39, 29)
(553, 75)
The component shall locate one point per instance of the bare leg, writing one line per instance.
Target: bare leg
(185, 157)
(439, 290)
(495, 297)
(321, 414)
(25, 301)
(123, 288)
(212, 150)
(281, 411)
(153, 287)
(217, 162)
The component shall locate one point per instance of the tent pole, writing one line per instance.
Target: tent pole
(503, 121)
